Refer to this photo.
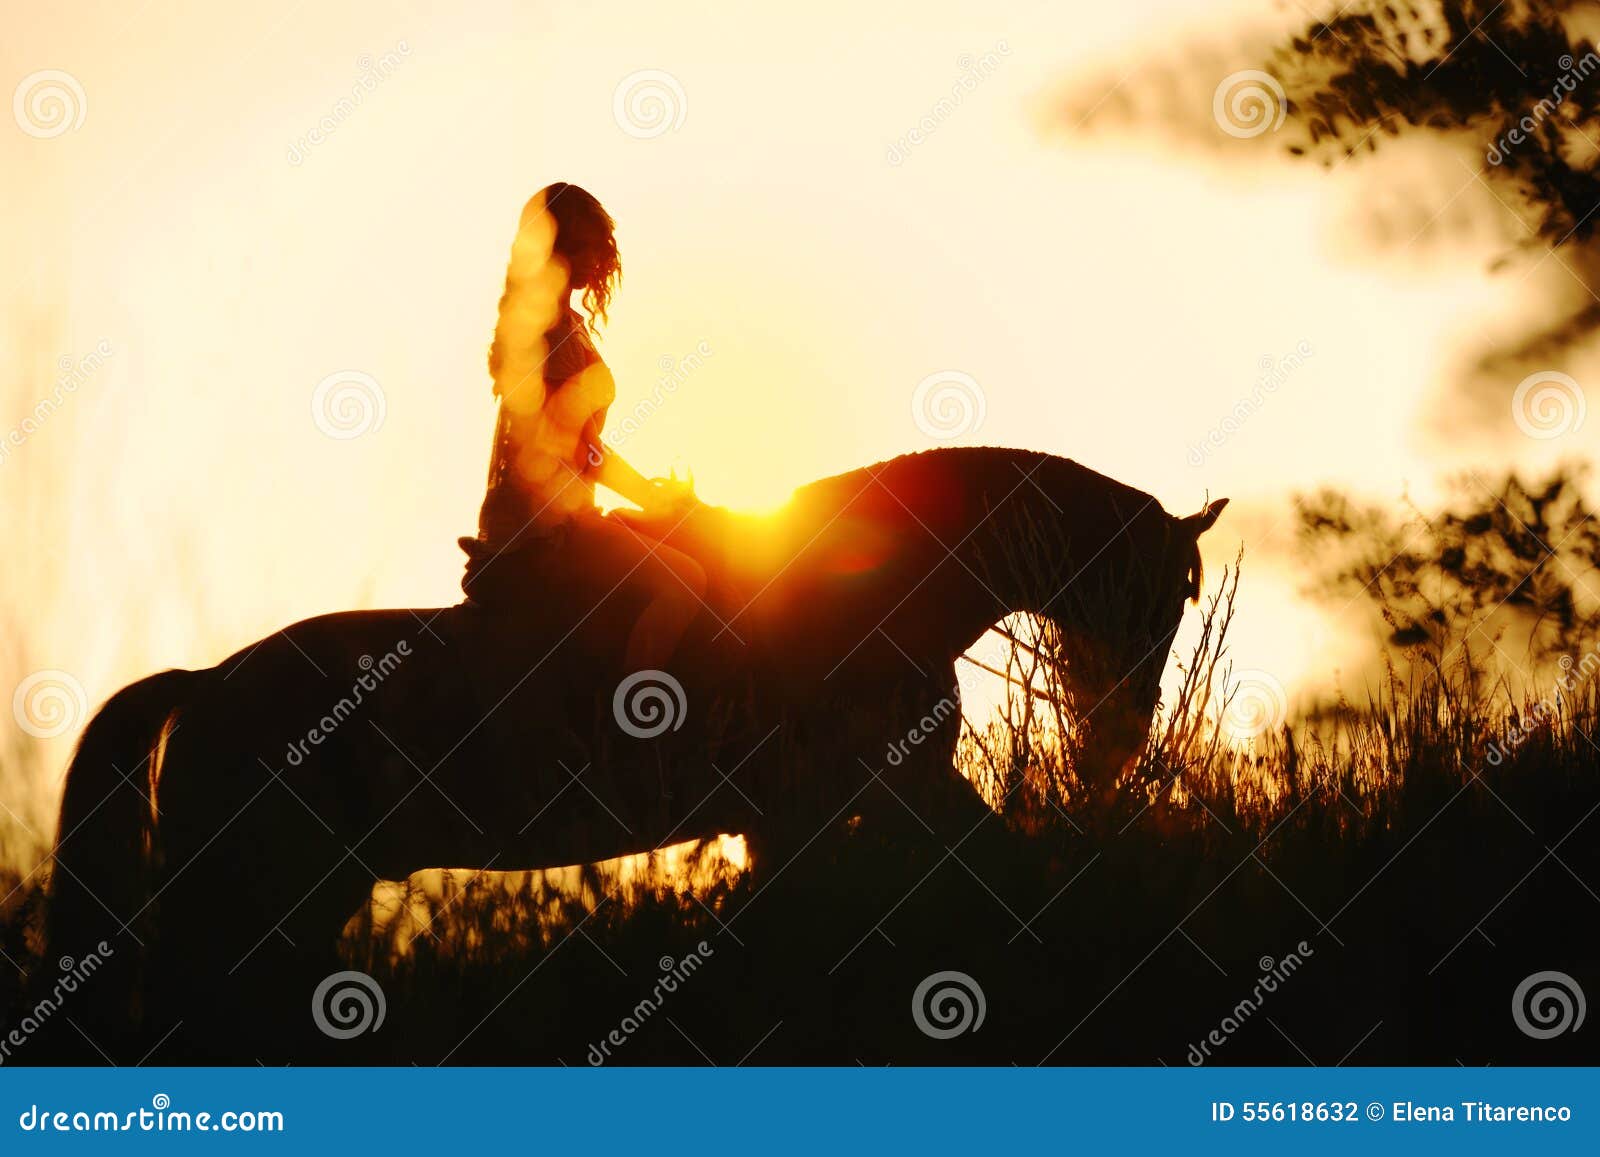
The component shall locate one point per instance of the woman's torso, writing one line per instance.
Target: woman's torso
(539, 471)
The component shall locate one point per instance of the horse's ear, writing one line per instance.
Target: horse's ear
(1207, 518)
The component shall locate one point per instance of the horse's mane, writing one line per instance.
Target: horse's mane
(948, 476)
(912, 509)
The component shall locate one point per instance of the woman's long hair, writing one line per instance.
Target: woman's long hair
(565, 240)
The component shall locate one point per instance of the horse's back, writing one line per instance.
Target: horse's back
(333, 635)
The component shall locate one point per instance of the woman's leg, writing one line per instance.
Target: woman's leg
(606, 551)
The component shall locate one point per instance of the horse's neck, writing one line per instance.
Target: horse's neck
(932, 528)
(953, 596)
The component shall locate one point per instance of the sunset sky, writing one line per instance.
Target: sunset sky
(1111, 298)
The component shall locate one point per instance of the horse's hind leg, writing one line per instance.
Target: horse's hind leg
(304, 956)
(244, 943)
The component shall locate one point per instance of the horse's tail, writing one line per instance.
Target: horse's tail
(100, 875)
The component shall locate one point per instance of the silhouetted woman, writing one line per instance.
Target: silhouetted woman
(539, 530)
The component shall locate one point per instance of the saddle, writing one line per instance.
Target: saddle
(705, 533)
(524, 655)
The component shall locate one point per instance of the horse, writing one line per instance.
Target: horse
(237, 817)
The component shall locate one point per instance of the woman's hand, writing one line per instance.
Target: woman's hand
(657, 497)
(669, 496)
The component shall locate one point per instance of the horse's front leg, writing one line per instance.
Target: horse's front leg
(919, 787)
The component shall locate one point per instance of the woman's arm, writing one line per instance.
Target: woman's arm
(614, 472)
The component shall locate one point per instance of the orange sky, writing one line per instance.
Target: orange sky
(1110, 303)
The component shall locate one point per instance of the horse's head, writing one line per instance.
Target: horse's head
(1090, 553)
(1123, 575)
(1162, 575)
(1117, 572)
